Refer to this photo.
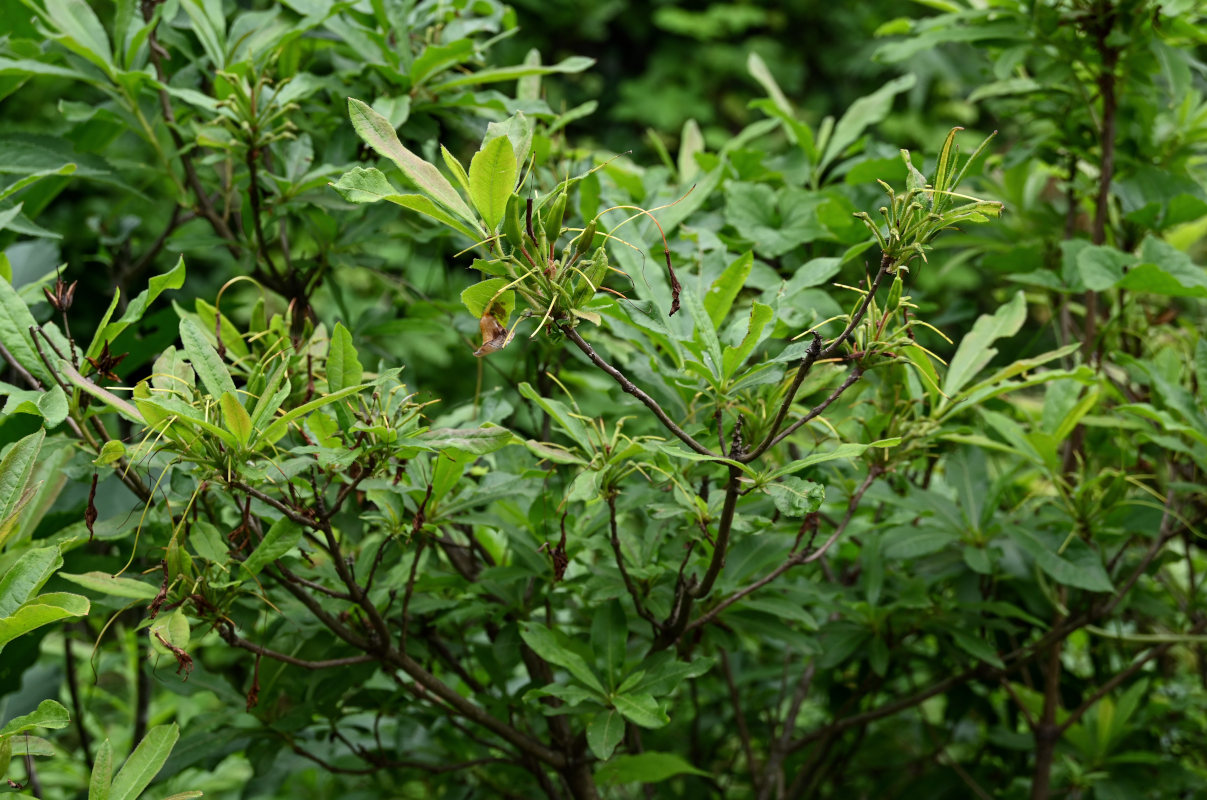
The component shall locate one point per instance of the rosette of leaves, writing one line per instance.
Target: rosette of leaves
(519, 237)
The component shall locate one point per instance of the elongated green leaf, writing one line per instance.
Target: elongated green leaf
(454, 166)
(756, 332)
(282, 537)
(863, 112)
(610, 636)
(105, 396)
(48, 714)
(379, 134)
(102, 772)
(108, 331)
(492, 176)
(144, 763)
(15, 470)
(1079, 565)
(343, 364)
(845, 450)
(604, 733)
(42, 610)
(369, 185)
(569, 65)
(648, 767)
(236, 418)
(279, 427)
(641, 709)
(562, 415)
(104, 583)
(720, 296)
(15, 322)
(975, 351)
(478, 441)
(205, 360)
(23, 579)
(81, 31)
(546, 645)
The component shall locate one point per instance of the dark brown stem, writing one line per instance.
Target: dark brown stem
(802, 557)
(802, 371)
(1047, 733)
(855, 375)
(632, 389)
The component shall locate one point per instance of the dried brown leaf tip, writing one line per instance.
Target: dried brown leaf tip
(184, 662)
(106, 362)
(494, 335)
(62, 296)
(90, 512)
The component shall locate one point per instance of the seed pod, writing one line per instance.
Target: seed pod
(595, 270)
(513, 226)
(894, 295)
(553, 216)
(585, 240)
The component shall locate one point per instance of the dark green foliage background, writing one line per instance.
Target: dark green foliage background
(971, 567)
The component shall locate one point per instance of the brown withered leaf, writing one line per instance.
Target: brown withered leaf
(494, 335)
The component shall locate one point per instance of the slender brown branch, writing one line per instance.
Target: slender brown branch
(855, 375)
(624, 573)
(230, 637)
(802, 371)
(801, 557)
(632, 389)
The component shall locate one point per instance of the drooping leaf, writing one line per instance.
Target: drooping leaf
(144, 763)
(648, 767)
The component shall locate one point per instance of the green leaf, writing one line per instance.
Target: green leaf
(795, 497)
(42, 610)
(562, 415)
(756, 333)
(641, 709)
(16, 468)
(454, 166)
(476, 441)
(15, 322)
(380, 135)
(102, 772)
(907, 541)
(776, 222)
(974, 351)
(691, 141)
(492, 177)
(369, 185)
(81, 31)
(863, 112)
(108, 331)
(610, 636)
(976, 647)
(237, 420)
(519, 128)
(343, 364)
(545, 643)
(490, 292)
(648, 767)
(1165, 270)
(1102, 267)
(282, 537)
(845, 450)
(604, 733)
(1079, 565)
(104, 583)
(205, 360)
(569, 65)
(279, 427)
(48, 714)
(23, 579)
(144, 763)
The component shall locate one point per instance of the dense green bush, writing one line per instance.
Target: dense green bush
(789, 466)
